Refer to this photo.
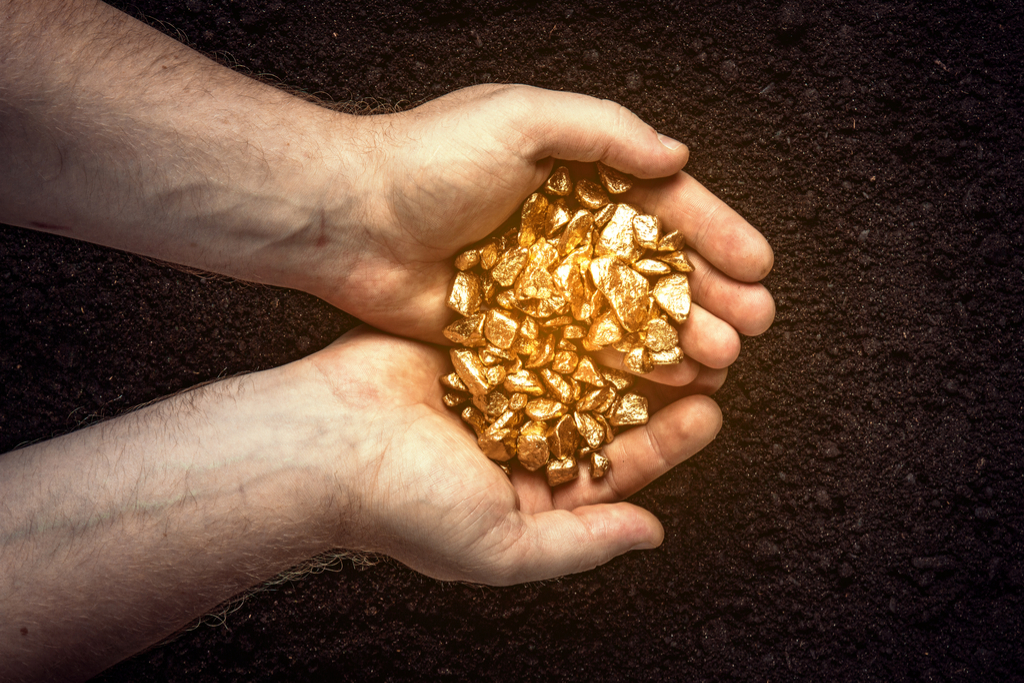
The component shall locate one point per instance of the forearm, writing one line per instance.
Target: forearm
(114, 537)
(114, 133)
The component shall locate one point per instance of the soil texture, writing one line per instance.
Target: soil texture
(860, 516)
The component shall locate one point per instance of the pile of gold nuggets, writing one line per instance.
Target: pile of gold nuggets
(578, 274)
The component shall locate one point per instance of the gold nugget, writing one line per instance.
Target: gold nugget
(579, 273)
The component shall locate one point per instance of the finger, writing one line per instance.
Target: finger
(560, 542)
(576, 127)
(746, 306)
(707, 382)
(704, 338)
(642, 454)
(708, 339)
(709, 225)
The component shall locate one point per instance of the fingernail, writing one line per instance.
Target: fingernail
(644, 545)
(669, 142)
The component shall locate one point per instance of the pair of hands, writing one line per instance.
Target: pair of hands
(451, 172)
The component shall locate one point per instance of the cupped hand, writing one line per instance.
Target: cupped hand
(419, 489)
(448, 173)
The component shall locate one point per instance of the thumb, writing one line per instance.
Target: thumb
(576, 127)
(560, 542)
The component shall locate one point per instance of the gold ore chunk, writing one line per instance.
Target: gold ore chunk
(465, 295)
(467, 259)
(614, 181)
(590, 195)
(599, 465)
(673, 295)
(542, 409)
(534, 219)
(470, 370)
(678, 260)
(467, 331)
(500, 328)
(630, 410)
(533, 445)
(562, 471)
(625, 289)
(559, 184)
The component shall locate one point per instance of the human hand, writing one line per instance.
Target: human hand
(419, 489)
(449, 172)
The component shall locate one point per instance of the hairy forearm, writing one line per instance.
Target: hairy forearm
(114, 133)
(114, 537)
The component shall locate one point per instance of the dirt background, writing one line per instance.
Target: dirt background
(860, 515)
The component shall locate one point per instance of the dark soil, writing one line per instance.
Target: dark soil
(860, 516)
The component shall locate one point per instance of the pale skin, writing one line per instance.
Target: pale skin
(115, 536)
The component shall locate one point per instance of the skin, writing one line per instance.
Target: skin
(113, 537)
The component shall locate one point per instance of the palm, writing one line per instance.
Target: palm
(459, 166)
(433, 500)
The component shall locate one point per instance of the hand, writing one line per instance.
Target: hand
(420, 490)
(449, 172)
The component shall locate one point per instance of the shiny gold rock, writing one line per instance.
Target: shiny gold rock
(599, 465)
(614, 181)
(562, 471)
(673, 295)
(578, 274)
(560, 183)
(465, 295)
(630, 410)
(590, 195)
